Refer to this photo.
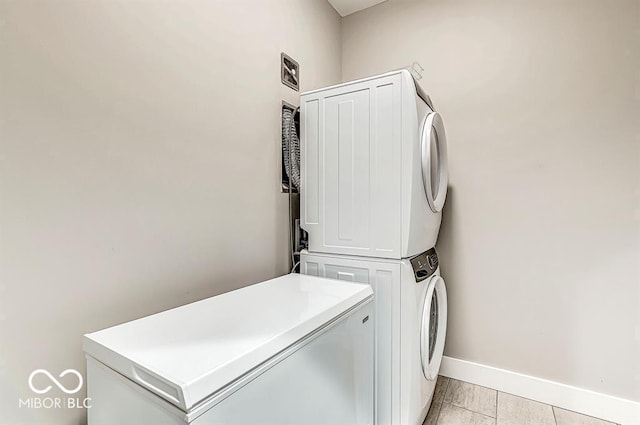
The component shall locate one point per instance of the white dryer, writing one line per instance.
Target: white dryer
(410, 327)
(373, 168)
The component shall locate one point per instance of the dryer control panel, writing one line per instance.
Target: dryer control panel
(425, 264)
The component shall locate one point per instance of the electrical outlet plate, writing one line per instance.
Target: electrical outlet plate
(289, 72)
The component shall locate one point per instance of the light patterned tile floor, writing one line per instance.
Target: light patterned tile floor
(460, 403)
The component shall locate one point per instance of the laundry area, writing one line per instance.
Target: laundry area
(356, 337)
(319, 212)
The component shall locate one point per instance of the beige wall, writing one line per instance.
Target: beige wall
(131, 180)
(540, 242)
(139, 145)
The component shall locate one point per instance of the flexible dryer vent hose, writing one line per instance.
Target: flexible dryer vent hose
(291, 147)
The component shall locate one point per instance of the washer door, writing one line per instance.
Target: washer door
(435, 171)
(434, 327)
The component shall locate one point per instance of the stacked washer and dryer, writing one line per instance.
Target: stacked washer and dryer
(373, 183)
(374, 180)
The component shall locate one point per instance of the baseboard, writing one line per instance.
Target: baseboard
(610, 408)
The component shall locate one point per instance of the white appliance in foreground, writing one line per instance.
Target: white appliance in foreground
(295, 349)
(373, 168)
(410, 327)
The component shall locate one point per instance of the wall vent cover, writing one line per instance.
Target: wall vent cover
(289, 72)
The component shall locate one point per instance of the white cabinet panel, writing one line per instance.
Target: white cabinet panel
(361, 169)
(384, 277)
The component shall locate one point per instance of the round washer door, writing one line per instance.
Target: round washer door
(435, 171)
(434, 327)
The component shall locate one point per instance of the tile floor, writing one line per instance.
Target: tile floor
(460, 403)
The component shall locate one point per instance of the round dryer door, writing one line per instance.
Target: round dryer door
(435, 172)
(434, 327)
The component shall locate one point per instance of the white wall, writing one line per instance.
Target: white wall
(139, 164)
(540, 243)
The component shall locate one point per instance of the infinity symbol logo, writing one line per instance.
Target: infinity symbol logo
(55, 381)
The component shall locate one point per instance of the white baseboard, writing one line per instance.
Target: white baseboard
(610, 408)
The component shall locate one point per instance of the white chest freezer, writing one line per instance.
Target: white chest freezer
(291, 350)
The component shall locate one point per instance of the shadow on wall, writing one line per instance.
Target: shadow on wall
(445, 247)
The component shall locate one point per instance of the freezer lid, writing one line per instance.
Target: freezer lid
(188, 353)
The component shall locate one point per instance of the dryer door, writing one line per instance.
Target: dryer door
(435, 172)
(434, 327)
